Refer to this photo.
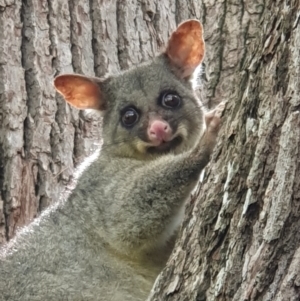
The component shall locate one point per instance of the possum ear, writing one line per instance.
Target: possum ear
(186, 47)
(80, 91)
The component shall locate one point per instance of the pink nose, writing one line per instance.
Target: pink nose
(159, 131)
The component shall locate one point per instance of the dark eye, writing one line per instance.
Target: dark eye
(129, 117)
(171, 100)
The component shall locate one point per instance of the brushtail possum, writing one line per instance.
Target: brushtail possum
(111, 237)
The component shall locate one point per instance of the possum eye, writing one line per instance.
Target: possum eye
(129, 117)
(170, 100)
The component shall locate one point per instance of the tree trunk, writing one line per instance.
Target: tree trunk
(42, 138)
(240, 239)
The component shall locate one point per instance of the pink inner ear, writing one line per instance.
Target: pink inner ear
(80, 91)
(186, 47)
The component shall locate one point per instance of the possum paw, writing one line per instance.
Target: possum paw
(213, 118)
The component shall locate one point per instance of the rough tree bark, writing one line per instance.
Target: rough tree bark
(41, 138)
(240, 239)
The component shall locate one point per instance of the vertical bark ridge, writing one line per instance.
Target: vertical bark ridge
(62, 130)
(13, 112)
(87, 126)
(37, 63)
(105, 36)
(127, 33)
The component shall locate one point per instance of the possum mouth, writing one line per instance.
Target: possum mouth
(165, 146)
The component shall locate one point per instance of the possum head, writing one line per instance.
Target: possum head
(151, 109)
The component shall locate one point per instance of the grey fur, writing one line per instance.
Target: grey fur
(112, 236)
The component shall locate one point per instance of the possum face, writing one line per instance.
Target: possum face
(151, 112)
